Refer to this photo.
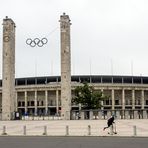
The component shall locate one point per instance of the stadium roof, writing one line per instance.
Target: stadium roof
(82, 79)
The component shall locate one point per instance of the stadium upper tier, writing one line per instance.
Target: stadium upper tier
(82, 79)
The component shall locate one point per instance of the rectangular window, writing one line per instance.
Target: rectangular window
(107, 102)
(32, 103)
(37, 103)
(42, 103)
(139, 102)
(23, 103)
(28, 103)
(116, 102)
(19, 104)
(126, 102)
(130, 102)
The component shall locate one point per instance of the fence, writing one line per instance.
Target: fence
(105, 114)
(93, 115)
(96, 115)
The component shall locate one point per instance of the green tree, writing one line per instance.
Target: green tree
(88, 97)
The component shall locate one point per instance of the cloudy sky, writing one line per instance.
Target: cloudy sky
(108, 37)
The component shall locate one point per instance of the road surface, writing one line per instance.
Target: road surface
(72, 142)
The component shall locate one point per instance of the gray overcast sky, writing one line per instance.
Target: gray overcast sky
(107, 36)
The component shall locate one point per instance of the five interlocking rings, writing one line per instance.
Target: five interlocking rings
(36, 42)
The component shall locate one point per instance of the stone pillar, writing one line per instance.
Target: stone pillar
(133, 99)
(127, 115)
(136, 116)
(113, 99)
(123, 104)
(142, 99)
(123, 99)
(109, 114)
(65, 67)
(91, 115)
(46, 102)
(35, 103)
(82, 115)
(118, 114)
(73, 116)
(145, 114)
(100, 114)
(57, 101)
(16, 100)
(25, 101)
(102, 108)
(8, 70)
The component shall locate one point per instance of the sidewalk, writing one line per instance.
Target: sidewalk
(74, 128)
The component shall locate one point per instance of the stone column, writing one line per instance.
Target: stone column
(91, 115)
(142, 99)
(65, 67)
(46, 102)
(118, 114)
(8, 70)
(26, 102)
(102, 108)
(145, 114)
(82, 115)
(113, 99)
(133, 99)
(123, 99)
(57, 101)
(100, 114)
(109, 114)
(35, 103)
(123, 104)
(127, 115)
(136, 116)
(16, 101)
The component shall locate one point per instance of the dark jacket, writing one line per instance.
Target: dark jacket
(110, 121)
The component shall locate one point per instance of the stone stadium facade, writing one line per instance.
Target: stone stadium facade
(41, 96)
(51, 96)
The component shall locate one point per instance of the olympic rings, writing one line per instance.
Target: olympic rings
(36, 42)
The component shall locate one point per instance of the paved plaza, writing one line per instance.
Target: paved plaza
(135, 127)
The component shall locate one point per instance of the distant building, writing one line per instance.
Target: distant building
(42, 95)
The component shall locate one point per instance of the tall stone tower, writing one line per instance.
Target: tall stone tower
(65, 67)
(8, 74)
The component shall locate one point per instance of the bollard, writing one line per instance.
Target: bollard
(45, 131)
(135, 130)
(67, 130)
(4, 130)
(111, 129)
(89, 130)
(24, 128)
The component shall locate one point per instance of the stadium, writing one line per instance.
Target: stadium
(41, 96)
(51, 96)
